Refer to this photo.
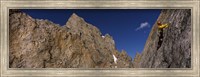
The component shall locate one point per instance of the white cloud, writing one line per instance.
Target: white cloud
(143, 25)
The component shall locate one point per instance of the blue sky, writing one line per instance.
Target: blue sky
(128, 27)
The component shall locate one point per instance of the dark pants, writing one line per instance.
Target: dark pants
(160, 39)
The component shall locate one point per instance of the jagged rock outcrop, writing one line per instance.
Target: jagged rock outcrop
(175, 49)
(37, 43)
(136, 60)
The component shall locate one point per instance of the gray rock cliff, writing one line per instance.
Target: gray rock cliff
(175, 49)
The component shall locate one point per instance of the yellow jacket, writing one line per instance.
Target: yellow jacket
(162, 26)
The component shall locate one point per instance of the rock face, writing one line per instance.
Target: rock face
(175, 49)
(35, 43)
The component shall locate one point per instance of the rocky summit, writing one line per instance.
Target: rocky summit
(38, 43)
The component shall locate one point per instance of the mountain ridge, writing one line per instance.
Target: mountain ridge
(44, 44)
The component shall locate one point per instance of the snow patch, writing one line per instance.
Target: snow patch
(115, 59)
(103, 36)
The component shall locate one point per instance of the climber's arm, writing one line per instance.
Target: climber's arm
(166, 25)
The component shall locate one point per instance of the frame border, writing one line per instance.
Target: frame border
(194, 5)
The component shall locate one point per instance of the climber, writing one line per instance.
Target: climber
(160, 30)
(161, 26)
(115, 60)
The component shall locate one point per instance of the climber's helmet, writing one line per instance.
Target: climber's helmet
(159, 23)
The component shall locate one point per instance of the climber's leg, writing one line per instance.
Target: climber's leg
(160, 39)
